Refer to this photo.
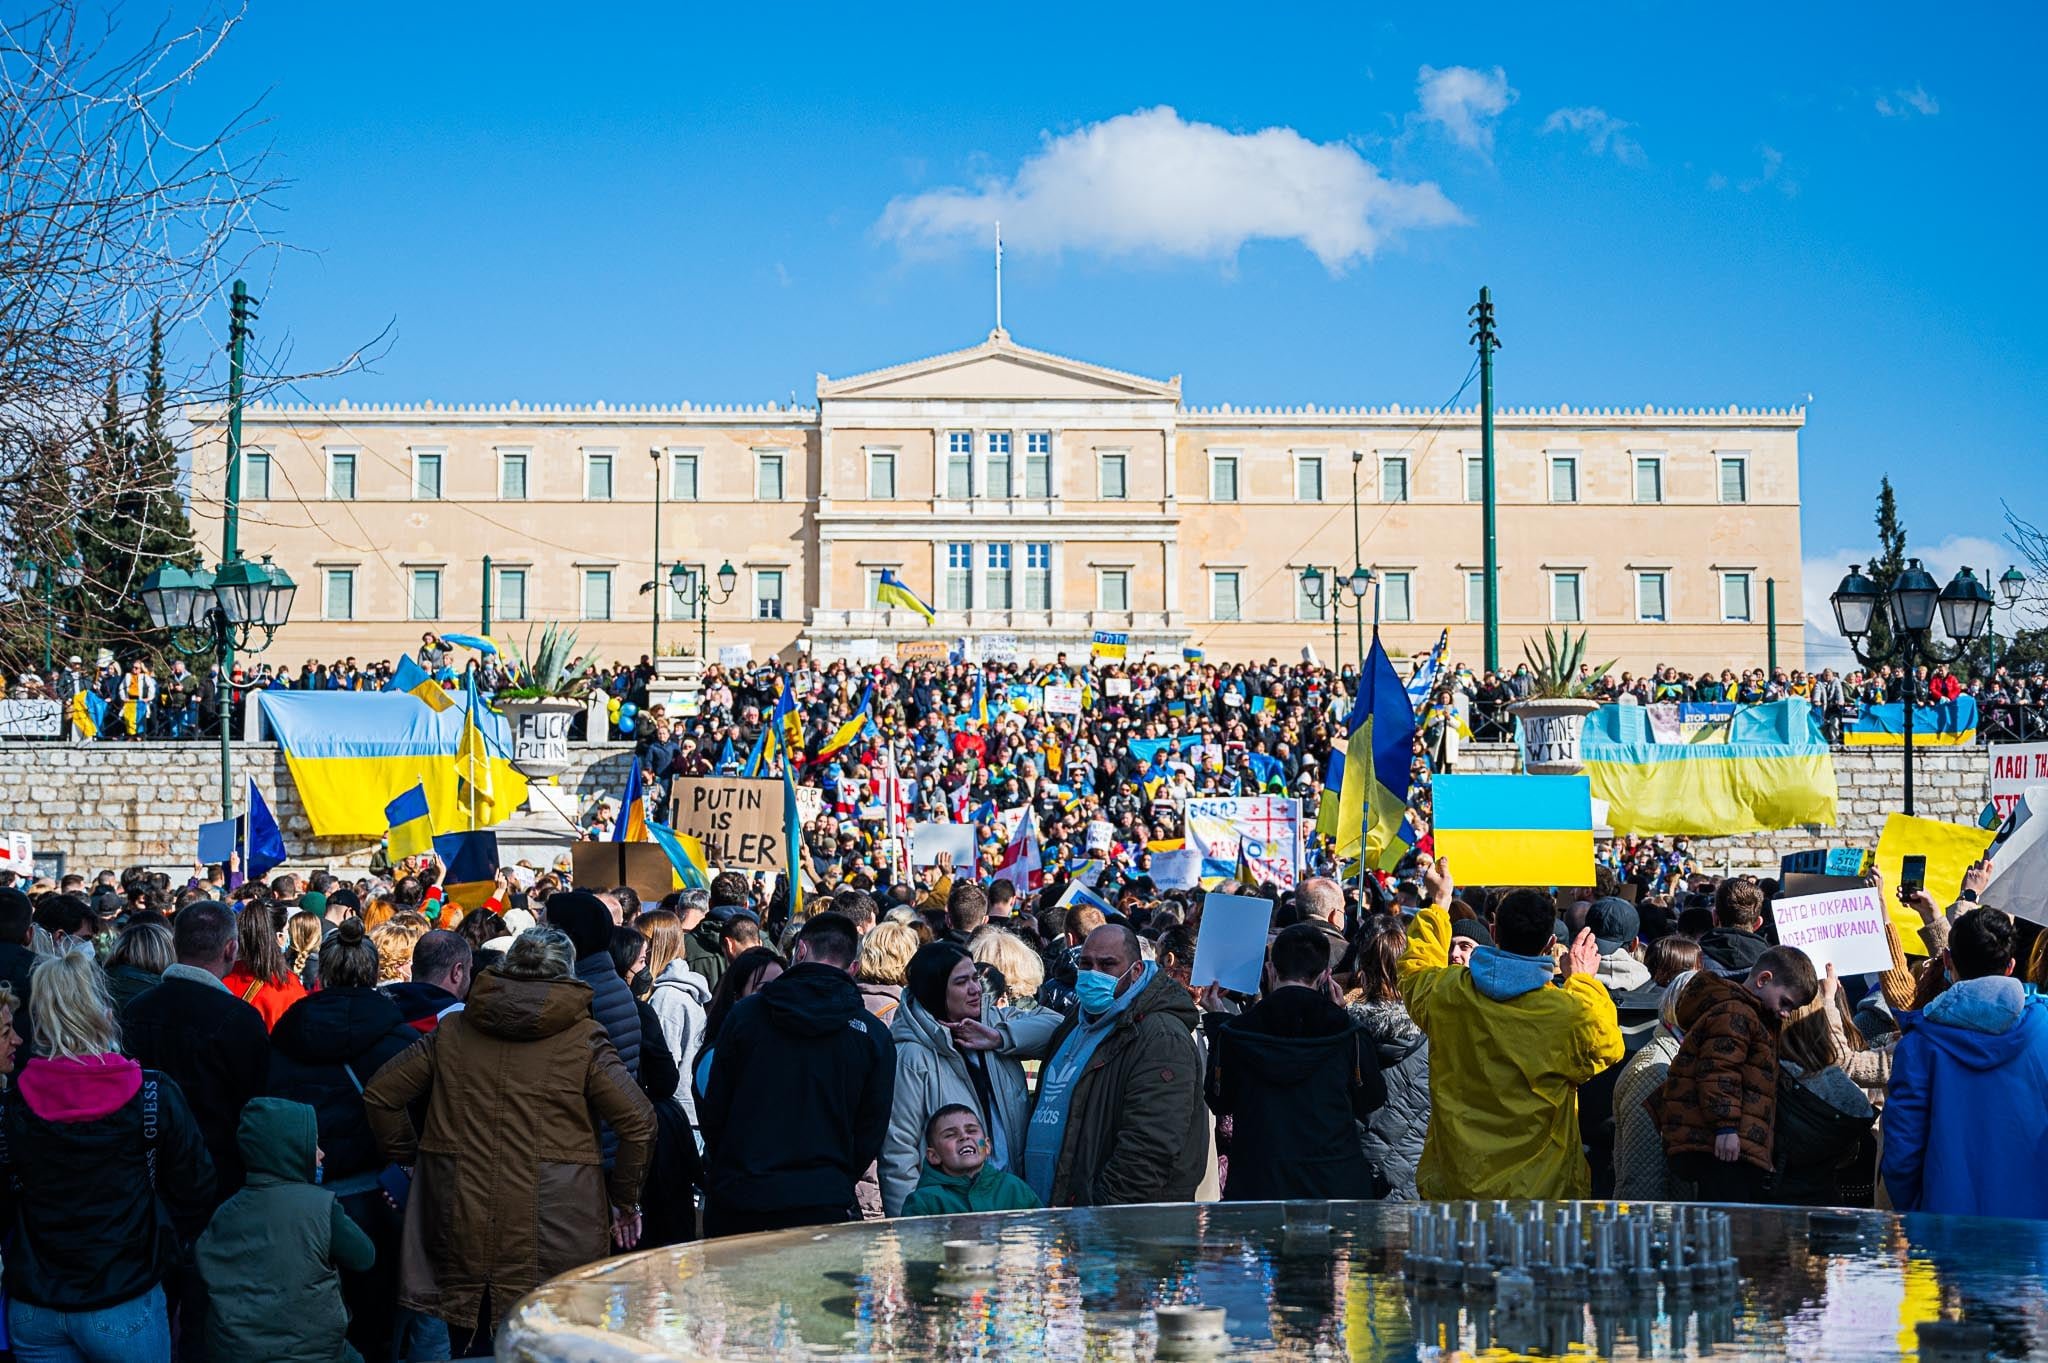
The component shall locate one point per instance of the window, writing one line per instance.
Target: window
(1038, 464)
(426, 593)
(1304, 607)
(882, 475)
(256, 475)
(1397, 597)
(874, 596)
(768, 485)
(512, 475)
(1113, 589)
(1566, 607)
(511, 597)
(597, 593)
(1393, 477)
(1037, 577)
(1649, 478)
(1650, 602)
(1734, 478)
(682, 605)
(768, 594)
(1223, 478)
(1308, 478)
(959, 465)
(999, 577)
(996, 478)
(682, 475)
(1225, 596)
(1735, 598)
(959, 577)
(426, 480)
(1475, 478)
(1113, 464)
(341, 594)
(1564, 478)
(1475, 596)
(597, 487)
(341, 476)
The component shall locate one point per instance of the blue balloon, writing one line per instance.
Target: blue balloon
(626, 712)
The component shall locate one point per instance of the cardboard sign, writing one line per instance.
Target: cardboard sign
(1230, 948)
(920, 651)
(928, 840)
(597, 866)
(1844, 929)
(1063, 700)
(738, 820)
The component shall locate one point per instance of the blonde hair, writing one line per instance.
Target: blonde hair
(1023, 970)
(665, 939)
(885, 953)
(303, 933)
(69, 1007)
(394, 941)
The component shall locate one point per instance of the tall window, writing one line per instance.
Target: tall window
(1223, 478)
(341, 595)
(1567, 606)
(1735, 605)
(426, 593)
(959, 465)
(597, 593)
(1397, 597)
(1649, 478)
(1475, 596)
(999, 577)
(1304, 607)
(597, 486)
(1308, 478)
(882, 475)
(1113, 589)
(512, 475)
(1650, 599)
(1734, 478)
(510, 603)
(768, 594)
(997, 478)
(959, 577)
(426, 479)
(768, 483)
(682, 475)
(256, 475)
(1475, 478)
(341, 475)
(874, 596)
(1564, 478)
(1037, 577)
(1038, 464)
(1226, 601)
(1114, 466)
(1393, 477)
(682, 605)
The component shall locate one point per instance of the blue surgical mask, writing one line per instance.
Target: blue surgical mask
(1096, 989)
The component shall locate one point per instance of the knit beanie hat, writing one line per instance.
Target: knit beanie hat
(583, 916)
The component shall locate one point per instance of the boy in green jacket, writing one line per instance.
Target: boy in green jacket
(957, 1176)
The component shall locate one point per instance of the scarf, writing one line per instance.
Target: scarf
(1046, 1135)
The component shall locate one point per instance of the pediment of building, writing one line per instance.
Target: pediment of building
(999, 370)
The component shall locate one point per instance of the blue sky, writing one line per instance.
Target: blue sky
(1678, 205)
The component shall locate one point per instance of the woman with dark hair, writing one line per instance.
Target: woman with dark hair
(954, 1046)
(261, 977)
(749, 971)
(1392, 1136)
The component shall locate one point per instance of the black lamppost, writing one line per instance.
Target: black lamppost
(1357, 585)
(695, 593)
(67, 571)
(1910, 602)
(2011, 587)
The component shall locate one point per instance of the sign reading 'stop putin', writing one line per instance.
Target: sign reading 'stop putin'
(738, 820)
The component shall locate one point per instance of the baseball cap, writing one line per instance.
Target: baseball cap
(1613, 922)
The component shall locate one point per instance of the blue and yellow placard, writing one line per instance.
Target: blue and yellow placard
(1515, 830)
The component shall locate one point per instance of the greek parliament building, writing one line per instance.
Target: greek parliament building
(1023, 493)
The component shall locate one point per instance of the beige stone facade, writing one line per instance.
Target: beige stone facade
(1020, 493)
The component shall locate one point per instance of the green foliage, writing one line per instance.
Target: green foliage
(1556, 669)
(547, 673)
(1889, 563)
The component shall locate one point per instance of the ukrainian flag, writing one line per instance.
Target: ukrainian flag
(979, 710)
(785, 726)
(1372, 803)
(469, 877)
(685, 856)
(1774, 771)
(849, 733)
(632, 821)
(1948, 723)
(1190, 655)
(890, 591)
(411, 824)
(413, 679)
(477, 784)
(1515, 830)
(1108, 645)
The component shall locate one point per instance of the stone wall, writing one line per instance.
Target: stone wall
(118, 804)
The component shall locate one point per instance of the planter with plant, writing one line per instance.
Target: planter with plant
(1553, 715)
(548, 692)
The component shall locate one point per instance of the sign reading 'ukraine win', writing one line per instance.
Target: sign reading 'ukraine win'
(1515, 830)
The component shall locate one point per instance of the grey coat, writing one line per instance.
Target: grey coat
(1392, 1138)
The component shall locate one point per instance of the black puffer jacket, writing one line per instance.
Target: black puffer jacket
(319, 1042)
(1392, 1137)
(1297, 1074)
(612, 1004)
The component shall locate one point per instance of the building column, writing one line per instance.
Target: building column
(824, 560)
(1172, 551)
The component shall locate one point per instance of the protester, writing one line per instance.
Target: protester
(884, 964)
(957, 1174)
(1736, 943)
(678, 999)
(17, 960)
(752, 971)
(588, 923)
(137, 963)
(1391, 1137)
(1823, 1120)
(442, 965)
(1641, 1173)
(261, 978)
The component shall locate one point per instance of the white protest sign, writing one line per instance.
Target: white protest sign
(1063, 700)
(1116, 686)
(999, 648)
(18, 854)
(2019, 879)
(928, 840)
(1230, 948)
(864, 650)
(1843, 928)
(735, 655)
(1101, 834)
(1265, 828)
(810, 803)
(2015, 766)
(1180, 870)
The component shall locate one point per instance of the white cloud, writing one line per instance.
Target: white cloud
(1771, 172)
(1820, 575)
(1465, 101)
(1603, 132)
(1152, 182)
(1907, 103)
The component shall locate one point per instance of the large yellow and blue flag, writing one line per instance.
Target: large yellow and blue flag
(1372, 803)
(475, 773)
(1772, 770)
(685, 856)
(978, 712)
(632, 822)
(415, 680)
(890, 591)
(1943, 724)
(785, 726)
(847, 734)
(1514, 830)
(411, 832)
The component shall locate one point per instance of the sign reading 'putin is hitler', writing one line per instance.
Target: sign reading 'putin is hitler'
(738, 820)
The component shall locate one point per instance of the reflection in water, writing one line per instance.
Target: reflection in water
(1084, 1285)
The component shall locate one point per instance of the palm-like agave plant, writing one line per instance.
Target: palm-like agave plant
(1556, 669)
(546, 672)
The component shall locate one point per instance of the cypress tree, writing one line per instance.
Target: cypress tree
(1889, 563)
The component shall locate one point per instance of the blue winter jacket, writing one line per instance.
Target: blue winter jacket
(1966, 1112)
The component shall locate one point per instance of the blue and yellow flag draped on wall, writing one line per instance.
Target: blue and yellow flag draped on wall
(352, 752)
(1944, 724)
(1774, 771)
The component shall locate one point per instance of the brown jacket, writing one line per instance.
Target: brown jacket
(509, 1186)
(1725, 1075)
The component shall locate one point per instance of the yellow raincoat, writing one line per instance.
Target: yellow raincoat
(1504, 1074)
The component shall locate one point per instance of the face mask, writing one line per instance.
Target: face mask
(1096, 989)
(642, 983)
